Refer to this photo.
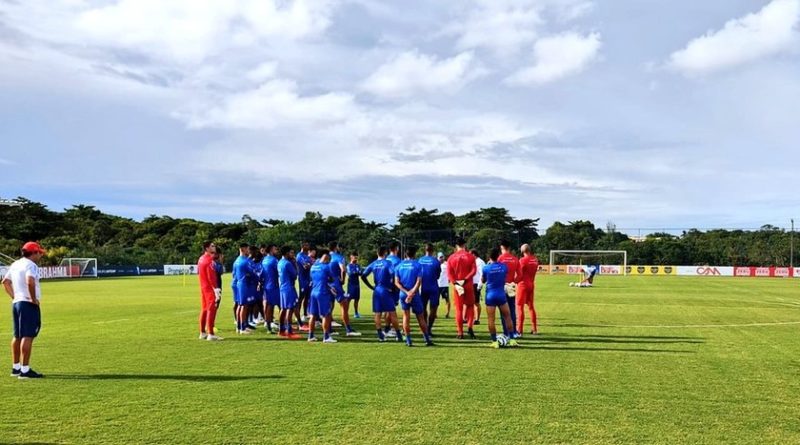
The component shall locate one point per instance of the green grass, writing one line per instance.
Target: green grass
(613, 365)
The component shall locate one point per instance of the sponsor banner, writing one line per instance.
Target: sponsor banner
(180, 269)
(544, 268)
(796, 272)
(558, 269)
(706, 271)
(652, 270)
(772, 272)
(151, 270)
(574, 269)
(610, 270)
(54, 272)
(128, 271)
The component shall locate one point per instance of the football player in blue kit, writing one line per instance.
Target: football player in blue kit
(431, 270)
(354, 282)
(382, 299)
(319, 306)
(494, 275)
(408, 279)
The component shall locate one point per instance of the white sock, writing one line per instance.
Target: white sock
(16, 366)
(25, 369)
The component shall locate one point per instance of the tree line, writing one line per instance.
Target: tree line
(85, 231)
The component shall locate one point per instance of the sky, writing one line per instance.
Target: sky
(657, 113)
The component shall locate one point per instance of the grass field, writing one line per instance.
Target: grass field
(634, 360)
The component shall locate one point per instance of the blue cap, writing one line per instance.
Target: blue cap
(440, 255)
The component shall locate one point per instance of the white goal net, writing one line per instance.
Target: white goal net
(609, 262)
(80, 267)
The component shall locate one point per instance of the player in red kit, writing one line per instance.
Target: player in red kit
(512, 278)
(209, 292)
(528, 266)
(460, 272)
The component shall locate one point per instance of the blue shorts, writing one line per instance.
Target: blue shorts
(27, 319)
(305, 290)
(288, 298)
(430, 297)
(235, 294)
(496, 300)
(339, 292)
(395, 295)
(382, 301)
(354, 292)
(415, 306)
(272, 296)
(319, 306)
(243, 295)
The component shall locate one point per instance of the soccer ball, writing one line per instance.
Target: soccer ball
(502, 340)
(571, 284)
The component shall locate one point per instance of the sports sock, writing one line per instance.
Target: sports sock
(25, 369)
(494, 337)
(17, 366)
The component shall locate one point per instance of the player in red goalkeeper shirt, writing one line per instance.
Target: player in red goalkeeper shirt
(460, 272)
(528, 266)
(209, 292)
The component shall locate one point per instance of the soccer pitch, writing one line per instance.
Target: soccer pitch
(633, 360)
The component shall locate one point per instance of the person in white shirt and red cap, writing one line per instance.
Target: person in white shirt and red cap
(21, 283)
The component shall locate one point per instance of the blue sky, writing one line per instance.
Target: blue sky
(643, 113)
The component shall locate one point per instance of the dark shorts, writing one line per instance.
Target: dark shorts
(318, 307)
(430, 298)
(444, 293)
(27, 319)
(415, 306)
(477, 293)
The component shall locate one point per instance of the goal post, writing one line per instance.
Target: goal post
(80, 267)
(581, 254)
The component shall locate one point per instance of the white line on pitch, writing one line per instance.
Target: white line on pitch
(110, 321)
(779, 323)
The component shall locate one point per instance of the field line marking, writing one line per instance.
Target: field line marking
(110, 321)
(743, 325)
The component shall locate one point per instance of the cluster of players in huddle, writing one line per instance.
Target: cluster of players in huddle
(311, 282)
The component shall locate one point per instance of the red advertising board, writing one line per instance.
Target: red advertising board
(772, 272)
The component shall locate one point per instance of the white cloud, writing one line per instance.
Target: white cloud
(754, 36)
(275, 103)
(556, 57)
(410, 72)
(502, 27)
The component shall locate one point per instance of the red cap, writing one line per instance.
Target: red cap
(32, 246)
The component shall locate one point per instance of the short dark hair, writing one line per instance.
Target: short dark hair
(286, 249)
(312, 248)
(394, 245)
(244, 245)
(332, 245)
(411, 251)
(322, 252)
(460, 241)
(269, 247)
(475, 252)
(494, 254)
(262, 246)
(353, 253)
(505, 243)
(429, 248)
(253, 250)
(207, 244)
(381, 250)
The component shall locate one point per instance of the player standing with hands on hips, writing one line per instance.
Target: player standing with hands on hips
(21, 283)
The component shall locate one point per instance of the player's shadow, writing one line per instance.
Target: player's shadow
(172, 377)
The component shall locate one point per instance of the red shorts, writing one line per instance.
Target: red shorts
(524, 294)
(207, 299)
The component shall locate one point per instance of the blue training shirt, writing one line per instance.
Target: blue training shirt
(408, 272)
(321, 279)
(495, 275)
(431, 270)
(304, 275)
(270, 265)
(287, 274)
(353, 276)
(383, 272)
(240, 270)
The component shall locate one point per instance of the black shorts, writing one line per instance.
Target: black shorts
(444, 293)
(477, 293)
(27, 319)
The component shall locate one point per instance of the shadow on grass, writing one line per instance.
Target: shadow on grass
(174, 377)
(612, 339)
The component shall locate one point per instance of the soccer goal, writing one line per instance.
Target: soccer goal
(607, 260)
(80, 267)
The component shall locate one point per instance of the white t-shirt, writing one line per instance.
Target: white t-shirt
(443, 282)
(18, 273)
(479, 263)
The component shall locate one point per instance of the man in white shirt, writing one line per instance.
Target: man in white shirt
(479, 263)
(444, 285)
(21, 283)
